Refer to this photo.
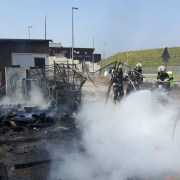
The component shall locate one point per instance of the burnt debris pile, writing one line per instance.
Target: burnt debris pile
(21, 122)
(61, 84)
(57, 84)
(46, 96)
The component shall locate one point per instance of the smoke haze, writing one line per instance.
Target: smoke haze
(35, 98)
(128, 140)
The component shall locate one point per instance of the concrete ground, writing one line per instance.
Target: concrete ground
(28, 154)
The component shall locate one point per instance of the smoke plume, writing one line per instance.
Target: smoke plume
(35, 98)
(130, 140)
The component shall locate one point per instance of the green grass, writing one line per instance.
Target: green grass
(148, 58)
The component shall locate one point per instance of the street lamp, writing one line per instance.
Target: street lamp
(93, 54)
(29, 30)
(45, 24)
(73, 35)
(104, 54)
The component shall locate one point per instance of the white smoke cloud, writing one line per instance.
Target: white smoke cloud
(131, 139)
(35, 98)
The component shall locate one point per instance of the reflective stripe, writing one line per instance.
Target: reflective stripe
(116, 84)
(113, 98)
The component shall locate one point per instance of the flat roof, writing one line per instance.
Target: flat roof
(55, 45)
(8, 39)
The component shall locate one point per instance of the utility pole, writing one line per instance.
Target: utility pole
(104, 54)
(45, 24)
(106, 59)
(73, 37)
(93, 54)
(126, 63)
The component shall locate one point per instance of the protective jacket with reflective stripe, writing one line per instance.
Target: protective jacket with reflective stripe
(163, 77)
(118, 79)
(135, 76)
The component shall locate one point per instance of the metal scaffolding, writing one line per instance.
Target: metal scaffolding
(60, 83)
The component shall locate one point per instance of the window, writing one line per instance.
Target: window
(87, 56)
(59, 55)
(63, 51)
(54, 52)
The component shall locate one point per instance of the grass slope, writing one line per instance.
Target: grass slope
(148, 58)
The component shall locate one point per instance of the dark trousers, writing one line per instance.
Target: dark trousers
(118, 93)
(130, 88)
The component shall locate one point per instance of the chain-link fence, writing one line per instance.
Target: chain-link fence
(99, 83)
(153, 70)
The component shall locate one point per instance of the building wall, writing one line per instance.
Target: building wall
(27, 60)
(68, 50)
(89, 65)
(61, 60)
(19, 46)
(83, 53)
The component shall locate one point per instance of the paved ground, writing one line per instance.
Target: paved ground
(27, 154)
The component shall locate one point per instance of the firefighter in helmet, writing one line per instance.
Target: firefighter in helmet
(118, 79)
(167, 77)
(165, 81)
(135, 78)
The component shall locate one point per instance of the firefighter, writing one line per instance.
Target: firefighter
(135, 78)
(162, 75)
(118, 84)
(165, 81)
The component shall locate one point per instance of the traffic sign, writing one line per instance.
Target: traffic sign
(165, 56)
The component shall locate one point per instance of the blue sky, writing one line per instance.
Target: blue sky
(124, 25)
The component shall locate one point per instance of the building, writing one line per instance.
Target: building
(55, 49)
(24, 52)
(90, 66)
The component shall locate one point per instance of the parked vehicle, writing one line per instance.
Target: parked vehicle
(108, 71)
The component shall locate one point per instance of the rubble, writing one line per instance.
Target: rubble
(23, 141)
(26, 129)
